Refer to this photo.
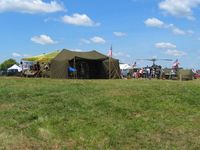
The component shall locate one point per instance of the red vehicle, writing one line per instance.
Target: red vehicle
(196, 75)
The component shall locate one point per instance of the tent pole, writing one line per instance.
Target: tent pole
(109, 69)
(74, 67)
(22, 68)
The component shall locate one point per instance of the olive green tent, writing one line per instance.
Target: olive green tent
(185, 74)
(88, 65)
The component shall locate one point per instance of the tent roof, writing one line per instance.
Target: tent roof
(125, 66)
(69, 55)
(15, 67)
(43, 58)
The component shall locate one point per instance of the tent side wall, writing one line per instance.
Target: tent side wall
(185, 74)
(59, 69)
(114, 68)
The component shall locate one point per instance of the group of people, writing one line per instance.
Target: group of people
(147, 72)
(36, 70)
(35, 67)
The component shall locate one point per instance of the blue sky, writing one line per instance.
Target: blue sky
(136, 28)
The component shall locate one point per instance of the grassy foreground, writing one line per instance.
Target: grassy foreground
(99, 114)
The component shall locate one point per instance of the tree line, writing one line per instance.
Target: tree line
(8, 63)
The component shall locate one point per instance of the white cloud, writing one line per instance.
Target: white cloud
(178, 31)
(179, 8)
(95, 40)
(119, 34)
(26, 55)
(43, 40)
(79, 20)
(98, 40)
(170, 49)
(121, 54)
(30, 6)
(154, 22)
(175, 53)
(77, 50)
(164, 45)
(16, 54)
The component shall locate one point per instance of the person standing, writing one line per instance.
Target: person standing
(148, 72)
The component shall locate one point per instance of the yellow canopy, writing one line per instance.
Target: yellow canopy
(43, 58)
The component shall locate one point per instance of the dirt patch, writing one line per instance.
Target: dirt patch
(6, 106)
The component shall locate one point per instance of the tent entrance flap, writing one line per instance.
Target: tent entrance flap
(88, 69)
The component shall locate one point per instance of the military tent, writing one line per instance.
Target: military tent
(89, 65)
(185, 74)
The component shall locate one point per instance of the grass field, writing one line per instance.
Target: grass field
(99, 114)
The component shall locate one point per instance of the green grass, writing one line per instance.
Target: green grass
(99, 114)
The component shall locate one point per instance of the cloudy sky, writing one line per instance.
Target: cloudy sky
(137, 29)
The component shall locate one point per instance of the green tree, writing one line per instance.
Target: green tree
(7, 64)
